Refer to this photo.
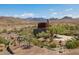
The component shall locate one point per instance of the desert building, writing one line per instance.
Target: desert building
(41, 26)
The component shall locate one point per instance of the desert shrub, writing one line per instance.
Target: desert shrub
(77, 43)
(4, 41)
(4, 31)
(52, 45)
(41, 44)
(71, 44)
(64, 29)
(23, 33)
(43, 34)
(35, 41)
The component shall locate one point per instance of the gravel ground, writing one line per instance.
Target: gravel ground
(5, 52)
(43, 51)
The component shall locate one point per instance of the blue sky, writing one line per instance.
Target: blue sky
(39, 10)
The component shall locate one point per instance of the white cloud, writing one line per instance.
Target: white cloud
(44, 16)
(16, 16)
(24, 15)
(76, 16)
(8, 15)
(70, 9)
(70, 15)
(51, 9)
(53, 13)
(27, 15)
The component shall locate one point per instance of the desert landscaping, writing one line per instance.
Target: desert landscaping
(28, 37)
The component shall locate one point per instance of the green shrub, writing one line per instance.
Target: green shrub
(71, 44)
(78, 43)
(64, 29)
(43, 34)
(4, 31)
(41, 44)
(4, 41)
(35, 42)
(52, 45)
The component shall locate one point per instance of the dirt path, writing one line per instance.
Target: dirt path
(35, 51)
(73, 52)
(43, 51)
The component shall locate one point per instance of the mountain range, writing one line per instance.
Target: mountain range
(36, 19)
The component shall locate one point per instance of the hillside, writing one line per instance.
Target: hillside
(12, 22)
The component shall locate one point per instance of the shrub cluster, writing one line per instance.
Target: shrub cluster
(52, 45)
(4, 41)
(71, 44)
(43, 34)
(64, 29)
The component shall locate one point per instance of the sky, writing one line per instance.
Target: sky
(39, 10)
